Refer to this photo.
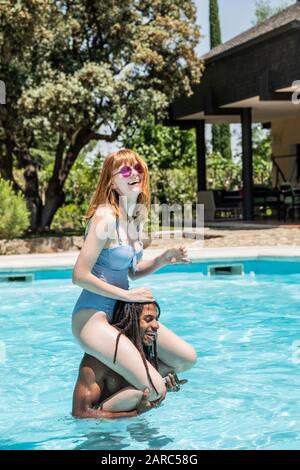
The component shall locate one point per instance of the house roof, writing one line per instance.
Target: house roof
(275, 22)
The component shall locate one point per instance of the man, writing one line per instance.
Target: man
(99, 389)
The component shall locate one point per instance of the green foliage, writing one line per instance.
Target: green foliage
(82, 180)
(174, 186)
(264, 9)
(14, 216)
(227, 174)
(221, 141)
(93, 63)
(162, 147)
(225, 141)
(171, 156)
(214, 22)
(69, 217)
(82, 71)
(215, 137)
(223, 173)
(262, 151)
(79, 188)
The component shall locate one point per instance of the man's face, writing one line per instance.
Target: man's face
(149, 324)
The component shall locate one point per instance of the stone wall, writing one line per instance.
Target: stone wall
(40, 245)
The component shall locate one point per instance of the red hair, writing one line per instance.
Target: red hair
(105, 194)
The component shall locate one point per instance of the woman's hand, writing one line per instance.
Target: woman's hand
(175, 255)
(139, 294)
(144, 405)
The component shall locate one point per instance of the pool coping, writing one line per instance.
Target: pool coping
(63, 260)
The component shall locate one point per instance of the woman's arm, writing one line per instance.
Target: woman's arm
(146, 267)
(169, 256)
(102, 228)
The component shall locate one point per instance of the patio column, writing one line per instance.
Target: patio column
(201, 154)
(246, 120)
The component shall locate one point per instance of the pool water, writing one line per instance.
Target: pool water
(243, 393)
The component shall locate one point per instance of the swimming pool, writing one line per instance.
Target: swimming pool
(242, 394)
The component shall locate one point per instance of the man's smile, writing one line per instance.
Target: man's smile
(150, 335)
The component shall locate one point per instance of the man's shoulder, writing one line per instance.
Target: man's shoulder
(114, 381)
(92, 370)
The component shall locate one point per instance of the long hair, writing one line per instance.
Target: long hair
(126, 318)
(105, 194)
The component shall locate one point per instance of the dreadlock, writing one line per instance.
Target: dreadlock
(126, 319)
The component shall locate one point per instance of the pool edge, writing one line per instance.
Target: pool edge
(66, 260)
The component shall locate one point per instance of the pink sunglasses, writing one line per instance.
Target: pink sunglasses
(126, 170)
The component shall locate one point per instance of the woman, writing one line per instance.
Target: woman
(109, 254)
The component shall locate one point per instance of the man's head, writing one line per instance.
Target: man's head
(138, 321)
(148, 323)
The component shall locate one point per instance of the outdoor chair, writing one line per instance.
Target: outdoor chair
(289, 201)
(265, 198)
(216, 206)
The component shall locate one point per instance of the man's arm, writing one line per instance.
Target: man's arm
(88, 392)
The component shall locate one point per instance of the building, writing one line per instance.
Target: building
(253, 78)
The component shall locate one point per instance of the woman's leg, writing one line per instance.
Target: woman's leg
(126, 399)
(98, 338)
(164, 369)
(174, 351)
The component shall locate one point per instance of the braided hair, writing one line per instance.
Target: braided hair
(126, 319)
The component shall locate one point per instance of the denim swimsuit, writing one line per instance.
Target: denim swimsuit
(112, 267)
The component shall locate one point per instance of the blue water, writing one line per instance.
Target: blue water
(242, 394)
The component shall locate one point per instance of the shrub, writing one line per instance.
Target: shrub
(14, 215)
(69, 217)
(174, 186)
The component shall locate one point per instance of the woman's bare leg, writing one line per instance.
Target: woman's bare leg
(174, 351)
(98, 338)
(126, 399)
(164, 369)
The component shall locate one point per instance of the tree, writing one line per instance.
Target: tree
(264, 9)
(262, 152)
(221, 139)
(223, 173)
(83, 71)
(168, 152)
(162, 147)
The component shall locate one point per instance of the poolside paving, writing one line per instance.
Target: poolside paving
(217, 241)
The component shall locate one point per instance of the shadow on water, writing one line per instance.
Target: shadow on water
(140, 433)
(103, 441)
